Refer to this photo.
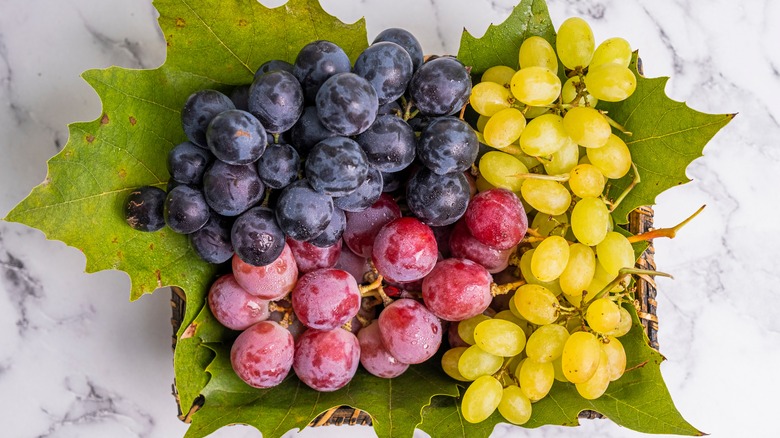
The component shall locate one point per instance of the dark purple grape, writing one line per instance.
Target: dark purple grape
(440, 87)
(316, 62)
(387, 67)
(437, 199)
(333, 232)
(347, 104)
(187, 163)
(276, 99)
(279, 165)
(365, 195)
(262, 355)
(172, 184)
(391, 108)
(420, 122)
(389, 144)
(240, 97)
(326, 360)
(273, 65)
(185, 210)
(257, 238)
(336, 166)
(308, 131)
(302, 212)
(236, 137)
(405, 39)
(144, 208)
(234, 307)
(448, 145)
(392, 181)
(212, 242)
(231, 190)
(201, 107)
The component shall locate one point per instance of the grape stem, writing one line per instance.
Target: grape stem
(375, 289)
(664, 232)
(501, 289)
(625, 272)
(628, 189)
(615, 124)
(561, 178)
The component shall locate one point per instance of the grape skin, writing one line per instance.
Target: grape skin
(302, 212)
(326, 360)
(457, 289)
(447, 145)
(309, 257)
(347, 104)
(185, 210)
(256, 237)
(411, 333)
(276, 99)
(201, 107)
(333, 231)
(405, 39)
(212, 242)
(387, 67)
(270, 282)
(363, 226)
(279, 165)
(389, 143)
(234, 307)
(497, 218)
(187, 163)
(463, 245)
(144, 209)
(230, 190)
(262, 355)
(374, 355)
(326, 298)
(336, 166)
(404, 250)
(437, 200)
(440, 87)
(309, 131)
(365, 195)
(236, 137)
(316, 62)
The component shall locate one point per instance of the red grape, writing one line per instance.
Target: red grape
(457, 289)
(496, 218)
(363, 226)
(233, 306)
(309, 257)
(326, 298)
(411, 333)
(354, 264)
(374, 355)
(463, 245)
(326, 360)
(263, 354)
(270, 282)
(404, 250)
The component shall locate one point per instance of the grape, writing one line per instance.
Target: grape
(389, 143)
(448, 145)
(437, 200)
(230, 190)
(499, 74)
(467, 326)
(615, 253)
(464, 245)
(236, 137)
(326, 298)
(579, 270)
(476, 362)
(536, 304)
(569, 93)
(544, 136)
(616, 357)
(557, 367)
(440, 87)
(603, 315)
(201, 107)
(404, 39)
(496, 218)
(374, 356)
(362, 227)
(365, 195)
(547, 225)
(404, 250)
(411, 333)
(144, 209)
(612, 50)
(529, 277)
(504, 128)
(597, 384)
(537, 52)
(388, 67)
(625, 324)
(256, 237)
(276, 99)
(610, 82)
(273, 65)
(309, 131)
(586, 181)
(546, 343)
(262, 355)
(587, 127)
(449, 363)
(550, 258)
(240, 97)
(514, 406)
(326, 360)
(499, 337)
(536, 86)
(601, 278)
(185, 210)
(581, 356)
(613, 159)
(390, 108)
(500, 170)
(457, 289)
(563, 160)
(536, 378)
(315, 63)
(354, 264)
(333, 231)
(212, 242)
(270, 282)
(347, 104)
(234, 307)
(481, 399)
(278, 167)
(590, 221)
(549, 197)
(488, 98)
(575, 43)
(302, 212)
(310, 258)
(187, 163)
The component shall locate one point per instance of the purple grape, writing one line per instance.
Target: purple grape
(236, 137)
(185, 210)
(326, 360)
(405, 39)
(387, 67)
(336, 166)
(212, 242)
(273, 65)
(333, 232)
(234, 307)
(390, 108)
(310, 258)
(365, 195)
(276, 99)
(256, 237)
(279, 165)
(316, 62)
(270, 282)
(354, 264)
(362, 227)
(326, 298)
(457, 289)
(437, 200)
(404, 250)
(231, 190)
(201, 107)
(448, 145)
(389, 144)
(374, 355)
(410, 332)
(302, 212)
(441, 87)
(309, 131)
(391, 181)
(187, 163)
(144, 209)
(262, 355)
(347, 104)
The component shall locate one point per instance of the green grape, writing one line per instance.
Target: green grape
(575, 43)
(481, 399)
(515, 406)
(537, 52)
(579, 270)
(615, 253)
(504, 128)
(587, 127)
(536, 86)
(581, 356)
(466, 328)
(597, 384)
(550, 258)
(569, 93)
(549, 197)
(488, 98)
(564, 159)
(481, 122)
(626, 322)
(449, 363)
(547, 225)
(601, 278)
(537, 304)
(613, 159)
(536, 378)
(529, 277)
(546, 343)
(586, 181)
(616, 357)
(501, 169)
(543, 136)
(499, 74)
(612, 51)
(508, 315)
(610, 82)
(603, 315)
(532, 112)
(529, 161)
(590, 221)
(476, 362)
(500, 337)
(559, 375)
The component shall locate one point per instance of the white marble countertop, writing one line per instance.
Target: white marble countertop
(78, 360)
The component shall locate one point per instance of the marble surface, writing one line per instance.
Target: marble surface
(78, 360)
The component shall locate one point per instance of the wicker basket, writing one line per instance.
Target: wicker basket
(640, 221)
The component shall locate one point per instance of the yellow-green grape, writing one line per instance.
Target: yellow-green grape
(610, 82)
(590, 221)
(504, 128)
(586, 181)
(564, 159)
(476, 362)
(626, 322)
(535, 111)
(616, 357)
(537, 304)
(543, 136)
(529, 161)
(575, 43)
(615, 253)
(481, 122)
(549, 197)
(612, 51)
(547, 225)
(579, 270)
(499, 74)
(508, 315)
(597, 384)
(546, 343)
(601, 278)
(569, 93)
(536, 378)
(550, 258)
(581, 356)
(536, 51)
(515, 406)
(613, 159)
(467, 326)
(500, 337)
(587, 127)
(488, 98)
(603, 315)
(449, 363)
(481, 399)
(529, 277)
(536, 86)
(559, 375)
(501, 169)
